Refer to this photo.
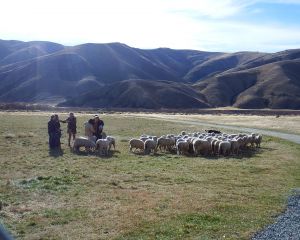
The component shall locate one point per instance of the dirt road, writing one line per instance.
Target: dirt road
(287, 136)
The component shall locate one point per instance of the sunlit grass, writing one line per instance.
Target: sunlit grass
(61, 195)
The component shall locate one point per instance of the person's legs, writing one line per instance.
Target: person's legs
(69, 139)
(51, 141)
(58, 142)
(54, 140)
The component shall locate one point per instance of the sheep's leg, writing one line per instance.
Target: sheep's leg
(195, 153)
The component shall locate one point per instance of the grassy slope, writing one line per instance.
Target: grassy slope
(131, 196)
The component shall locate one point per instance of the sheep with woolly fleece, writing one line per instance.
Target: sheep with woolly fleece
(235, 145)
(244, 141)
(144, 138)
(154, 138)
(169, 136)
(224, 148)
(182, 147)
(251, 139)
(257, 140)
(201, 146)
(85, 142)
(212, 144)
(103, 146)
(217, 144)
(165, 143)
(136, 144)
(112, 142)
(149, 146)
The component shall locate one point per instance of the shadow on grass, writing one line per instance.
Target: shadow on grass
(142, 153)
(111, 153)
(57, 152)
(244, 154)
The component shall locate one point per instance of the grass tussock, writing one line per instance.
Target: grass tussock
(62, 195)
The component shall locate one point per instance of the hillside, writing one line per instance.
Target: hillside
(275, 85)
(141, 94)
(116, 75)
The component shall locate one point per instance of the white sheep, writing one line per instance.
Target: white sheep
(136, 144)
(182, 147)
(103, 146)
(149, 146)
(212, 145)
(165, 143)
(250, 139)
(144, 138)
(83, 142)
(235, 145)
(224, 148)
(112, 142)
(257, 140)
(201, 146)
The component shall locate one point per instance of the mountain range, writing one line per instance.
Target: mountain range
(116, 75)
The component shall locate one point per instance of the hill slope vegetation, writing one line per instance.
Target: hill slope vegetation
(116, 75)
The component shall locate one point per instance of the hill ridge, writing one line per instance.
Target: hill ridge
(39, 71)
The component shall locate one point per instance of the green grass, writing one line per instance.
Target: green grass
(61, 195)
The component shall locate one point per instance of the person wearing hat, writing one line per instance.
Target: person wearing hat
(72, 128)
(54, 132)
(51, 132)
(98, 127)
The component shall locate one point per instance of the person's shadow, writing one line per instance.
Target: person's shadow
(56, 152)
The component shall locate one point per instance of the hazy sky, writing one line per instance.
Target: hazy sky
(211, 25)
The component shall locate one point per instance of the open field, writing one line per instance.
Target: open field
(61, 195)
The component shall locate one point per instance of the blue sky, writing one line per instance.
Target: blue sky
(219, 25)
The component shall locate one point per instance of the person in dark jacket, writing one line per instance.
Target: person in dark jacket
(72, 128)
(51, 132)
(57, 135)
(98, 127)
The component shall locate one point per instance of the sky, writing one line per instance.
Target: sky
(208, 25)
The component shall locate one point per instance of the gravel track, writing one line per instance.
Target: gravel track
(287, 136)
(287, 225)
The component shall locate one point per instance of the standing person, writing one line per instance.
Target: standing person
(89, 130)
(57, 131)
(72, 128)
(98, 127)
(51, 132)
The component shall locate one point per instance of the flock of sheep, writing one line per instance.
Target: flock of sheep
(210, 142)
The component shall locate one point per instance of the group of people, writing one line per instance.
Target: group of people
(93, 129)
